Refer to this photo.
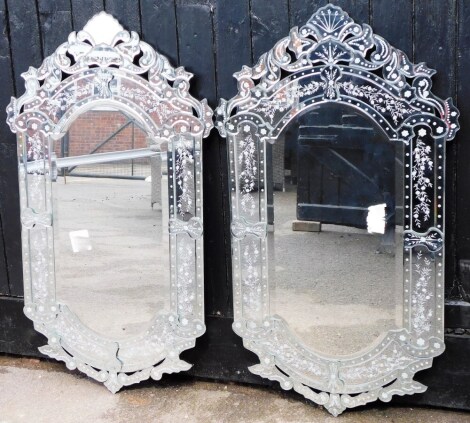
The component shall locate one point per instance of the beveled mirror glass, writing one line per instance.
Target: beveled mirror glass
(110, 174)
(337, 154)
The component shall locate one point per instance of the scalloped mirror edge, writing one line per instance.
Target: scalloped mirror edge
(107, 65)
(333, 59)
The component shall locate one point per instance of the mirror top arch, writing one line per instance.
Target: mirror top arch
(105, 63)
(332, 58)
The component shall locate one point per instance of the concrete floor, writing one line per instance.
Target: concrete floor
(38, 391)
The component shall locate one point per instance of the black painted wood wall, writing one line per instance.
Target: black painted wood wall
(213, 39)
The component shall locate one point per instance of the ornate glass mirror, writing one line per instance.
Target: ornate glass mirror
(110, 174)
(337, 155)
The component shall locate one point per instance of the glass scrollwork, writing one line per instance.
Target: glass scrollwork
(333, 62)
(106, 69)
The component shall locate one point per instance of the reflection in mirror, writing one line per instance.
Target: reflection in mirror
(111, 228)
(335, 187)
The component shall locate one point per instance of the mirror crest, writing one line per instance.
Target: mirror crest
(104, 67)
(331, 59)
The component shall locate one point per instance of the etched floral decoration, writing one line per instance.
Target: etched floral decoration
(422, 319)
(333, 59)
(422, 166)
(248, 173)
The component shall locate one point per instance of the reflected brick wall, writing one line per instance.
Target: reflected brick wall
(93, 127)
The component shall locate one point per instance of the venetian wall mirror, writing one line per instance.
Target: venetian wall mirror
(336, 154)
(109, 148)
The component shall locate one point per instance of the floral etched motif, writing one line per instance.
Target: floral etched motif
(379, 100)
(422, 313)
(391, 359)
(422, 163)
(185, 276)
(184, 177)
(248, 174)
(251, 278)
(35, 147)
(285, 99)
(149, 102)
(65, 99)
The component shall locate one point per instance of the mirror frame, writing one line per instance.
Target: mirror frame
(333, 59)
(105, 65)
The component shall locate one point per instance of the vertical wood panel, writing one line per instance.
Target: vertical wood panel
(301, 10)
(6, 91)
(127, 12)
(196, 52)
(399, 36)
(357, 9)
(463, 136)
(6, 76)
(270, 23)
(83, 10)
(434, 39)
(10, 212)
(56, 23)
(232, 33)
(232, 49)
(159, 27)
(25, 38)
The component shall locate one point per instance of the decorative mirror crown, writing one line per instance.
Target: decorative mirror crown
(332, 39)
(104, 44)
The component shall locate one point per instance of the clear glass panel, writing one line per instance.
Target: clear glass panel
(111, 224)
(335, 218)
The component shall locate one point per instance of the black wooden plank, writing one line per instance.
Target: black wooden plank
(357, 9)
(83, 10)
(6, 136)
(56, 23)
(13, 323)
(461, 141)
(159, 27)
(6, 75)
(219, 353)
(384, 23)
(4, 286)
(24, 38)
(269, 23)
(195, 40)
(434, 42)
(9, 213)
(232, 43)
(457, 314)
(218, 297)
(301, 10)
(126, 12)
